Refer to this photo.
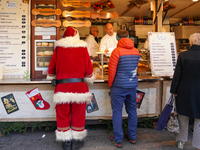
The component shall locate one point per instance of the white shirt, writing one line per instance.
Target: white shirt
(108, 42)
(92, 45)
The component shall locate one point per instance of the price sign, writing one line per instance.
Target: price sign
(163, 53)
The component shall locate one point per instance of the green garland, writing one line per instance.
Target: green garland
(21, 127)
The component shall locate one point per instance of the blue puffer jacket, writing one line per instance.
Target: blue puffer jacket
(122, 67)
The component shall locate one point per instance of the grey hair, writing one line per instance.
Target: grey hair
(91, 28)
(195, 39)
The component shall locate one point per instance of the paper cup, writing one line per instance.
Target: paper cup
(1, 71)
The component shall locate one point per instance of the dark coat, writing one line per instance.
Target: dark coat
(186, 82)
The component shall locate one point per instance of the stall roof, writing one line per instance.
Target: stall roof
(182, 8)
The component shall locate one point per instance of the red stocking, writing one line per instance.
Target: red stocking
(37, 100)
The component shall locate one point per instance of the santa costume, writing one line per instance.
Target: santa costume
(71, 60)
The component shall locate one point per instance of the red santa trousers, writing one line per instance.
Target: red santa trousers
(70, 121)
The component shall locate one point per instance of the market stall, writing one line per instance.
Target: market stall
(33, 51)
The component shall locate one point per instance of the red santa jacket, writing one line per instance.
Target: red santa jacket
(71, 60)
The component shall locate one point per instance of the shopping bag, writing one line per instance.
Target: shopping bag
(165, 115)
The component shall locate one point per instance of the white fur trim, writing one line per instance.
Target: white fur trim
(79, 135)
(61, 98)
(50, 77)
(89, 81)
(63, 136)
(71, 42)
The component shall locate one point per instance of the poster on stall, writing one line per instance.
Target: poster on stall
(15, 37)
(163, 53)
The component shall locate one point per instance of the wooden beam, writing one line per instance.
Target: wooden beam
(184, 9)
(127, 10)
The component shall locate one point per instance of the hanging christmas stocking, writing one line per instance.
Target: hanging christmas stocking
(37, 100)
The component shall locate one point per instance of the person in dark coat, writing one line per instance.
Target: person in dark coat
(185, 86)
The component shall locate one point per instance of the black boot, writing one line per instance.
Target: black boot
(67, 145)
(77, 144)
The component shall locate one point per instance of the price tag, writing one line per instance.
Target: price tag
(45, 72)
(46, 37)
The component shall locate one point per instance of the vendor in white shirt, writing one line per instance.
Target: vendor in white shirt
(109, 41)
(92, 41)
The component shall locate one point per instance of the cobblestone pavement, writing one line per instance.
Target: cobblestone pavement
(97, 139)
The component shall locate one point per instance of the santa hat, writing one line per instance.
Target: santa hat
(70, 32)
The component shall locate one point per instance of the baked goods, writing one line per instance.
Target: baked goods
(51, 19)
(40, 54)
(38, 19)
(51, 44)
(50, 5)
(45, 44)
(50, 53)
(46, 53)
(46, 63)
(38, 44)
(142, 68)
(41, 4)
(41, 64)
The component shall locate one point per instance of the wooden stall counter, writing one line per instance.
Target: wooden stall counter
(151, 104)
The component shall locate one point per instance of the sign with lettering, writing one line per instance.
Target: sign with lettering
(77, 14)
(46, 12)
(76, 3)
(46, 23)
(15, 37)
(104, 15)
(163, 53)
(76, 23)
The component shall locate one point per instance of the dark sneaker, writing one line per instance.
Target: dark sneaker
(130, 140)
(117, 144)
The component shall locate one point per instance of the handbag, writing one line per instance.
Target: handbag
(165, 115)
(173, 123)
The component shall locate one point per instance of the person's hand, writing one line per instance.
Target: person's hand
(106, 50)
(174, 94)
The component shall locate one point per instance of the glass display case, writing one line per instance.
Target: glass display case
(43, 53)
(43, 37)
(100, 65)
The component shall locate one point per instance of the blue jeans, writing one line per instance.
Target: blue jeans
(128, 97)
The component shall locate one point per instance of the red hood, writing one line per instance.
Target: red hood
(125, 43)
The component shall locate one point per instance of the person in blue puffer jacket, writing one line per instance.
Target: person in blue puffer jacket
(123, 82)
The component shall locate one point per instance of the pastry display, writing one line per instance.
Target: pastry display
(51, 44)
(46, 53)
(51, 19)
(50, 53)
(50, 5)
(45, 44)
(46, 63)
(41, 64)
(41, 4)
(40, 53)
(38, 44)
(38, 19)
(142, 69)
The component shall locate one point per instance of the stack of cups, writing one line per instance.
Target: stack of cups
(1, 71)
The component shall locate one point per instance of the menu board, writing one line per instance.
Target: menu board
(162, 53)
(15, 37)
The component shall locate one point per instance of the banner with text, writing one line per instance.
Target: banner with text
(15, 37)
(163, 53)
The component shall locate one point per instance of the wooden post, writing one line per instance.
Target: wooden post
(157, 27)
(159, 17)
(154, 15)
